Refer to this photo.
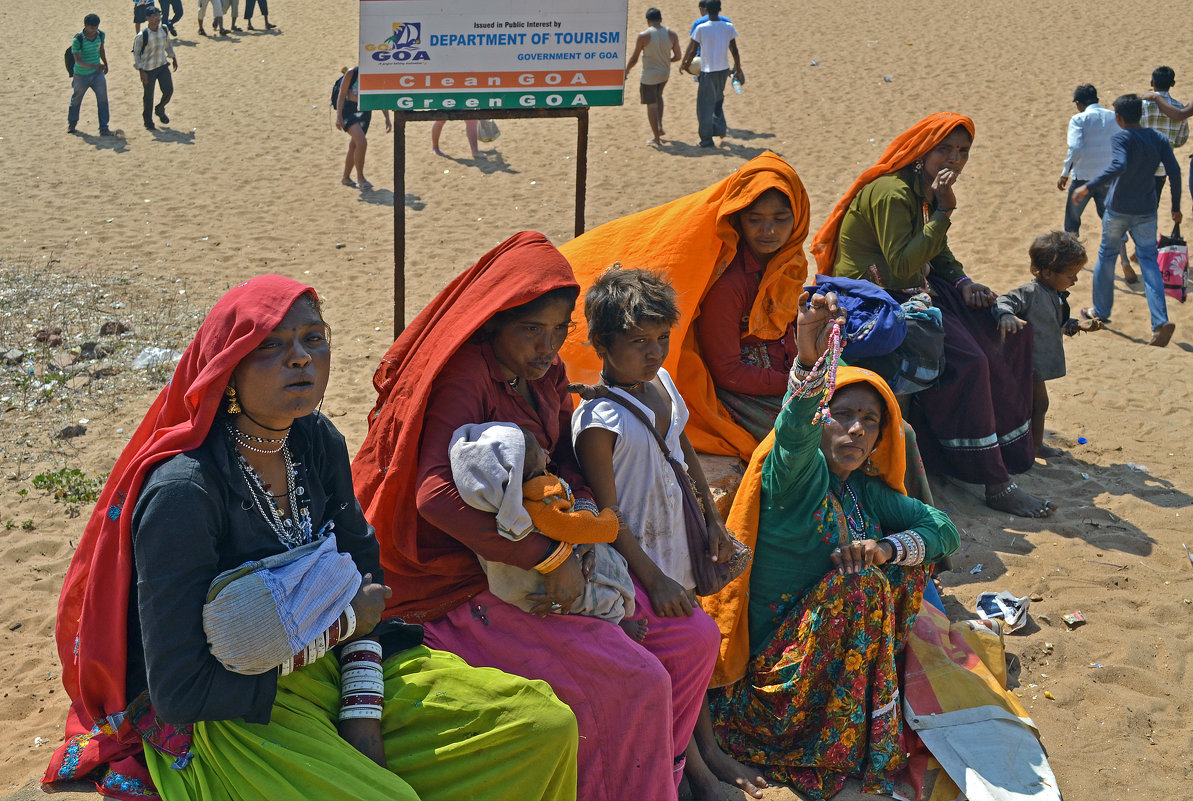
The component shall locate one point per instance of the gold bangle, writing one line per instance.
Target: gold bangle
(557, 558)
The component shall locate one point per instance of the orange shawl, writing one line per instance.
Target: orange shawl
(691, 241)
(729, 606)
(908, 146)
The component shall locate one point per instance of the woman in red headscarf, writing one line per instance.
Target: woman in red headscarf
(485, 350)
(891, 227)
(159, 706)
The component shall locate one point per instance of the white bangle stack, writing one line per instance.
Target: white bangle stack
(350, 617)
(362, 681)
(805, 381)
(908, 546)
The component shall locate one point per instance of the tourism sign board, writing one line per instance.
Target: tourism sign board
(417, 55)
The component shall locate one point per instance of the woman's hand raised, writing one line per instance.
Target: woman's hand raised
(368, 604)
(942, 189)
(814, 323)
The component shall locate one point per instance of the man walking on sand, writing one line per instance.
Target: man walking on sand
(150, 49)
(716, 40)
(702, 6)
(1131, 208)
(1090, 132)
(91, 69)
(659, 47)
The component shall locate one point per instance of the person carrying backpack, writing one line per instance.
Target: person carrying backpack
(151, 47)
(89, 71)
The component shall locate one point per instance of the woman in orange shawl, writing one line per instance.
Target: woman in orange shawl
(734, 252)
(891, 227)
(812, 634)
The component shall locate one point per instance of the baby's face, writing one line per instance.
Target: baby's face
(536, 459)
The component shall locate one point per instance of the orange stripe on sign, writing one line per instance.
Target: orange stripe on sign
(457, 81)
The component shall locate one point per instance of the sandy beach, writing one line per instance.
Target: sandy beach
(245, 180)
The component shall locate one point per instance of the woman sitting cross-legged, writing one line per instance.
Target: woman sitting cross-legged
(812, 635)
(226, 557)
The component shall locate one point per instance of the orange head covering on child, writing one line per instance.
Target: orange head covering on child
(728, 607)
(912, 144)
(691, 241)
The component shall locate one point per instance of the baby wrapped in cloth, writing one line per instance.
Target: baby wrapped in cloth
(499, 468)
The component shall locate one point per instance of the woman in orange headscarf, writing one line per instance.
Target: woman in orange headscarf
(891, 228)
(735, 254)
(812, 634)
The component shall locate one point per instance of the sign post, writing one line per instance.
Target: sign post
(478, 59)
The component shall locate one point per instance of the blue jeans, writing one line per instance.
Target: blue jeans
(97, 83)
(1142, 228)
(710, 100)
(1073, 211)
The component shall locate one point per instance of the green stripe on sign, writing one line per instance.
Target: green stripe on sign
(567, 98)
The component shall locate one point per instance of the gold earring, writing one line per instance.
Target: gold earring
(233, 403)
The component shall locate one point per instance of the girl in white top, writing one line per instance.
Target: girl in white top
(630, 314)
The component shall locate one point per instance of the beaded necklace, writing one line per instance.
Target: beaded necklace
(634, 387)
(857, 528)
(291, 531)
(246, 440)
(830, 358)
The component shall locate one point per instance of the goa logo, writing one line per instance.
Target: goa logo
(402, 45)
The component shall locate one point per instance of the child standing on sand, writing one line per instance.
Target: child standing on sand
(502, 468)
(1056, 259)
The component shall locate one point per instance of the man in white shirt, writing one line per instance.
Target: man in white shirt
(716, 40)
(151, 47)
(1090, 132)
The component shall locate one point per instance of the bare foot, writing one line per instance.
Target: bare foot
(730, 771)
(1129, 274)
(1048, 452)
(437, 152)
(1009, 498)
(347, 181)
(657, 141)
(637, 629)
(702, 785)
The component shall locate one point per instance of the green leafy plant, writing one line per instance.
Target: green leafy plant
(70, 484)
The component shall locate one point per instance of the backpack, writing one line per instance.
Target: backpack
(335, 87)
(70, 56)
(144, 40)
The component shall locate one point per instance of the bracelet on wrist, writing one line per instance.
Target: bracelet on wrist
(555, 559)
(965, 279)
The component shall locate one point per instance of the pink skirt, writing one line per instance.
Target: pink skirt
(636, 703)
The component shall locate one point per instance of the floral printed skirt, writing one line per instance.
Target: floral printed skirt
(820, 702)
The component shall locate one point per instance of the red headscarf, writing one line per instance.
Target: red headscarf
(916, 142)
(93, 609)
(517, 271)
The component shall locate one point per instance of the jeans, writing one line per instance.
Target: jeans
(249, 5)
(1142, 228)
(162, 76)
(710, 98)
(97, 83)
(175, 11)
(1073, 211)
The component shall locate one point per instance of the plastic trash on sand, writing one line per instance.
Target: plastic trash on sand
(151, 357)
(1005, 607)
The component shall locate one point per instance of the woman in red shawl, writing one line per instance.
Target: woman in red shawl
(158, 708)
(486, 349)
(891, 227)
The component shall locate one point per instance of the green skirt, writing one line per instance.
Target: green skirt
(451, 732)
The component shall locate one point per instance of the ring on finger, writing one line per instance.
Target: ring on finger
(556, 607)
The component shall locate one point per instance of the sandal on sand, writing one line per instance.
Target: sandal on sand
(364, 186)
(348, 182)
(1088, 314)
(1162, 335)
